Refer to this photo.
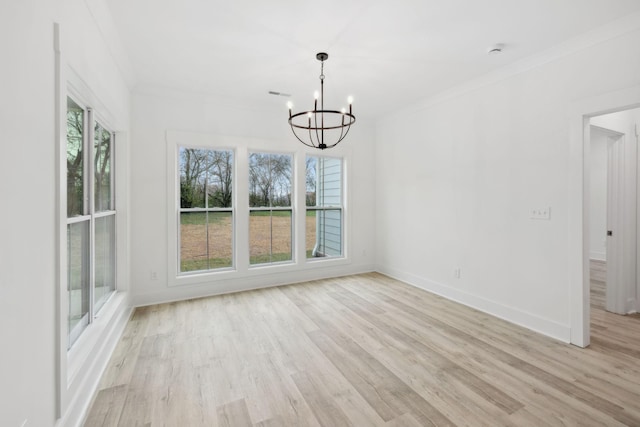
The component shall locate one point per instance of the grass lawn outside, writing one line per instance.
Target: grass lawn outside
(209, 245)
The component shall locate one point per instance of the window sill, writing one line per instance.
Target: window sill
(84, 347)
(259, 270)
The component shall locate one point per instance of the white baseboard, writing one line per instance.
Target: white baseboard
(219, 287)
(598, 256)
(521, 318)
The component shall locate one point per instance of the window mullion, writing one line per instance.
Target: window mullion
(76, 219)
(89, 141)
(269, 209)
(112, 168)
(112, 185)
(103, 214)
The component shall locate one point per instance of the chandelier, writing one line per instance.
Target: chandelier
(320, 128)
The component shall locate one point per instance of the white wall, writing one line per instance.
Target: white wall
(28, 248)
(249, 127)
(471, 166)
(598, 195)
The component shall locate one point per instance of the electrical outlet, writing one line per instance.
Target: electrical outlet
(153, 275)
(540, 213)
(457, 272)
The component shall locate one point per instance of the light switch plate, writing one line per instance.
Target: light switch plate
(540, 213)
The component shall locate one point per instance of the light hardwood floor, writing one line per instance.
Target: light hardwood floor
(598, 271)
(362, 350)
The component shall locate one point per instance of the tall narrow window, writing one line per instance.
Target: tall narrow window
(206, 209)
(104, 217)
(91, 217)
(270, 213)
(324, 207)
(78, 222)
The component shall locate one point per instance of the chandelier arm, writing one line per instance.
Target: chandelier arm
(341, 138)
(345, 134)
(342, 131)
(296, 135)
(311, 138)
(315, 122)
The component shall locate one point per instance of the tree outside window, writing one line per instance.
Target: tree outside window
(206, 210)
(270, 212)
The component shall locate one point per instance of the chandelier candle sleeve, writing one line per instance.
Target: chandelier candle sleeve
(323, 128)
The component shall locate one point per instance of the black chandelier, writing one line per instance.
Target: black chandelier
(318, 124)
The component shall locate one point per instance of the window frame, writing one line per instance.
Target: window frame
(174, 140)
(90, 216)
(290, 208)
(330, 207)
(99, 214)
(181, 210)
(244, 275)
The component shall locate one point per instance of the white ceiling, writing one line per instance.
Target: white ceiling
(384, 53)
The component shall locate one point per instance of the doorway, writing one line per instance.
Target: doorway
(581, 113)
(606, 213)
(612, 243)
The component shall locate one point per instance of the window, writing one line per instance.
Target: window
(206, 209)
(237, 210)
(91, 218)
(270, 213)
(324, 207)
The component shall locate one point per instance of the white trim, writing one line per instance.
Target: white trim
(598, 256)
(578, 203)
(80, 91)
(290, 208)
(61, 303)
(328, 207)
(112, 325)
(62, 307)
(237, 283)
(637, 290)
(173, 192)
(103, 214)
(521, 318)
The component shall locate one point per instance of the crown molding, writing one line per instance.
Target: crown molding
(103, 20)
(612, 30)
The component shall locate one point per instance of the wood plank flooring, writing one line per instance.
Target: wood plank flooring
(598, 273)
(362, 350)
